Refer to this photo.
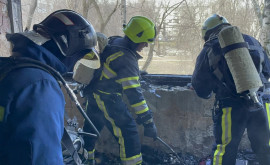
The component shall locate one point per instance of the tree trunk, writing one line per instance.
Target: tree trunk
(257, 11)
(124, 11)
(103, 23)
(32, 9)
(167, 11)
(265, 35)
(149, 57)
(86, 5)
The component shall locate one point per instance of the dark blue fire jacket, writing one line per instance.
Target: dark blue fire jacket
(31, 110)
(120, 74)
(204, 81)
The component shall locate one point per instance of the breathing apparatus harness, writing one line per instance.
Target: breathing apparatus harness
(214, 62)
(8, 64)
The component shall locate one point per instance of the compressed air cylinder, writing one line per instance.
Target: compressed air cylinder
(239, 61)
(84, 69)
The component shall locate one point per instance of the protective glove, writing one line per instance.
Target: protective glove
(146, 119)
(150, 130)
(89, 157)
(143, 72)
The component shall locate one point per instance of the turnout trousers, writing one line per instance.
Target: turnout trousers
(109, 110)
(231, 119)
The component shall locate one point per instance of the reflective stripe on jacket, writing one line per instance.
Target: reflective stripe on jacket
(120, 73)
(204, 81)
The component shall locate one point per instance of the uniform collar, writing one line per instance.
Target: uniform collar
(125, 43)
(27, 48)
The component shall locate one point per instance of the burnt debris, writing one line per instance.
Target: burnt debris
(150, 157)
(158, 157)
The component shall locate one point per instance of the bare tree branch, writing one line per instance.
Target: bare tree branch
(143, 2)
(168, 10)
(258, 11)
(102, 22)
(86, 5)
(109, 16)
(98, 10)
(265, 35)
(191, 18)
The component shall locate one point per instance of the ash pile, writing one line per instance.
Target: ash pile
(150, 157)
(157, 157)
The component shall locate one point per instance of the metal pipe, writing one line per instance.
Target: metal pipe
(78, 105)
(165, 144)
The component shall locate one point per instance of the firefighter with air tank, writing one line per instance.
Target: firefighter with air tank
(235, 67)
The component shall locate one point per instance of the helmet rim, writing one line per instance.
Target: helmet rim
(70, 31)
(140, 29)
(212, 22)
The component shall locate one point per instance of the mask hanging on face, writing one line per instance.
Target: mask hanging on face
(83, 71)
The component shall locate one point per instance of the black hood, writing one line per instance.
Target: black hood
(125, 42)
(214, 32)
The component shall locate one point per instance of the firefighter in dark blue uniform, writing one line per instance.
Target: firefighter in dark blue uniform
(233, 112)
(31, 101)
(119, 75)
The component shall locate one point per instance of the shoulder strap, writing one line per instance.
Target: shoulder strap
(8, 64)
(68, 144)
(213, 63)
(122, 47)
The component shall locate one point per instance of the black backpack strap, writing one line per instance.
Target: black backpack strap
(8, 68)
(8, 64)
(213, 64)
(68, 144)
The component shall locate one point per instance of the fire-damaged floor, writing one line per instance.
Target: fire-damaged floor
(150, 157)
(157, 157)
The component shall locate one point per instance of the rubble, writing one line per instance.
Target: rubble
(150, 157)
(158, 157)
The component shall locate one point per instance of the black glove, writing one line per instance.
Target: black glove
(144, 118)
(150, 130)
(143, 72)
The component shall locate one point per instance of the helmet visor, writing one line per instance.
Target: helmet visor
(90, 37)
(72, 43)
(91, 59)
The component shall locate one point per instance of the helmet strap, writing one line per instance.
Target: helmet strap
(132, 45)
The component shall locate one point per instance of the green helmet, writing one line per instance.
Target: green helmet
(140, 29)
(212, 22)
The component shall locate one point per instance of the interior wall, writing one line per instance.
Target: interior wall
(4, 28)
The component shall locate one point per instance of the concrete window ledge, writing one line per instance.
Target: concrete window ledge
(183, 120)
